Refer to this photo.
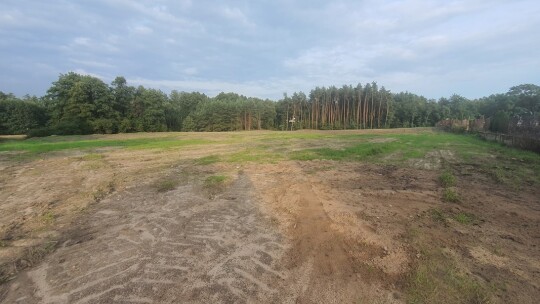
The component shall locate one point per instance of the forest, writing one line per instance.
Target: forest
(83, 104)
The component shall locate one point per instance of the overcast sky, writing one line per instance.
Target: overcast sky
(268, 47)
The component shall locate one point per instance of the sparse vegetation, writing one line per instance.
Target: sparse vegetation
(215, 180)
(450, 195)
(48, 218)
(208, 160)
(441, 216)
(30, 257)
(464, 218)
(92, 156)
(447, 179)
(437, 278)
(374, 164)
(165, 185)
(43, 145)
(103, 191)
(438, 215)
(498, 174)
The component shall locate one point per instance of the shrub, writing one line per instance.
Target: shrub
(458, 129)
(447, 179)
(125, 126)
(72, 127)
(464, 218)
(215, 180)
(450, 195)
(105, 126)
(499, 123)
(40, 132)
(166, 185)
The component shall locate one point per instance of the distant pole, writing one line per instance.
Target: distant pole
(292, 121)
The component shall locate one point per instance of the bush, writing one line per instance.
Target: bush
(125, 126)
(499, 123)
(105, 126)
(458, 129)
(40, 132)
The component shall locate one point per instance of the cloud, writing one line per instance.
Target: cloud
(237, 16)
(257, 88)
(83, 41)
(159, 14)
(86, 72)
(431, 47)
(86, 45)
(191, 71)
(92, 64)
(142, 30)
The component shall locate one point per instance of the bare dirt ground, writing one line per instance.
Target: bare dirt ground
(92, 229)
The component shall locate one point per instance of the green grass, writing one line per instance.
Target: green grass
(46, 145)
(505, 165)
(465, 218)
(447, 179)
(215, 180)
(415, 145)
(357, 152)
(437, 279)
(48, 218)
(253, 155)
(450, 195)
(166, 185)
(409, 146)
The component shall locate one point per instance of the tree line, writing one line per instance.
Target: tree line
(83, 104)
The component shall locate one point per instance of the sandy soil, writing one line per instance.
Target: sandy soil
(289, 232)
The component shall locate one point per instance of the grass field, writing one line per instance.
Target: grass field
(419, 215)
(275, 146)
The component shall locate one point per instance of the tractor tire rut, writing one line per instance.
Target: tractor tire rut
(179, 247)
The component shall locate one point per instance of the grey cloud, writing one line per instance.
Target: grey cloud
(264, 48)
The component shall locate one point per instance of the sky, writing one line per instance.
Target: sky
(267, 48)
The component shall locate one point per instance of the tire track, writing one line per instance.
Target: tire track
(173, 247)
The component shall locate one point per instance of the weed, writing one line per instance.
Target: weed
(498, 174)
(166, 185)
(214, 180)
(437, 279)
(92, 156)
(438, 216)
(447, 179)
(464, 218)
(3, 244)
(48, 218)
(374, 151)
(102, 192)
(450, 195)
